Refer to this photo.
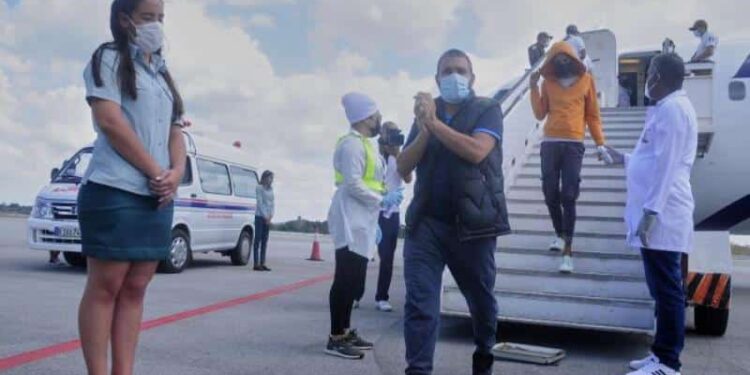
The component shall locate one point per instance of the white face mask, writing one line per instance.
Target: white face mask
(149, 37)
(697, 33)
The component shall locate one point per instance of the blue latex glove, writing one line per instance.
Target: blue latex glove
(393, 198)
(378, 236)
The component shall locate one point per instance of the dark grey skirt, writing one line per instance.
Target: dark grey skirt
(122, 226)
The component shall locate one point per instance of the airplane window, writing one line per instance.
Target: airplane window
(737, 91)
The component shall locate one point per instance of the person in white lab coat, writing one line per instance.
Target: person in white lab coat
(353, 219)
(659, 210)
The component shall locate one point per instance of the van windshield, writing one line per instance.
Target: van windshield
(73, 169)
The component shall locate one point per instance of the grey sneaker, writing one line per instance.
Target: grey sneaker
(358, 342)
(342, 348)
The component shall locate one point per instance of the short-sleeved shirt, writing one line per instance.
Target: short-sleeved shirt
(536, 52)
(150, 116)
(707, 40)
(439, 206)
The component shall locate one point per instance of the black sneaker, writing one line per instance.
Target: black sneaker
(343, 348)
(264, 268)
(357, 342)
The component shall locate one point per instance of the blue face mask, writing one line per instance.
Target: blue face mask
(454, 88)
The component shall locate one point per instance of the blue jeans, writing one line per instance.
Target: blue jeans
(428, 249)
(261, 241)
(386, 249)
(664, 279)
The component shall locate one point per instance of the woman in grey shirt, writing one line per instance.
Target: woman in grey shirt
(263, 216)
(125, 203)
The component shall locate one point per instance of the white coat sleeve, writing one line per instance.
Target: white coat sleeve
(352, 165)
(669, 140)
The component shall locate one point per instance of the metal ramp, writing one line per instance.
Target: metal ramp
(607, 291)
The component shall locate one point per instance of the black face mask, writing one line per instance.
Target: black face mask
(375, 131)
(563, 70)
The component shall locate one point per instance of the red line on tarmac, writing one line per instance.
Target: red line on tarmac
(21, 359)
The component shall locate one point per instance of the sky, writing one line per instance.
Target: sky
(270, 73)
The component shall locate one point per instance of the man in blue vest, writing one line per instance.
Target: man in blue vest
(457, 212)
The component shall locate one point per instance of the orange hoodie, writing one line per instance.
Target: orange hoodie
(568, 109)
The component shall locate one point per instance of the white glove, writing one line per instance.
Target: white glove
(604, 155)
(645, 226)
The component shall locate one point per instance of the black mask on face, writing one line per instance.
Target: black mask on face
(376, 130)
(563, 70)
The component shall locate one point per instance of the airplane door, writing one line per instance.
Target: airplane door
(601, 47)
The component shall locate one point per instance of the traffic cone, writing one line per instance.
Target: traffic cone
(315, 254)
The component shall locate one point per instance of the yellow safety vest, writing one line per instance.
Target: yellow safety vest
(371, 157)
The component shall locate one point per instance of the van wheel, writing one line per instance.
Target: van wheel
(75, 259)
(179, 253)
(241, 254)
(711, 321)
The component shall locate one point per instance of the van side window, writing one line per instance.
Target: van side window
(214, 177)
(187, 178)
(244, 182)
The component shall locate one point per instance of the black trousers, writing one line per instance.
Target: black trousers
(386, 250)
(561, 162)
(348, 284)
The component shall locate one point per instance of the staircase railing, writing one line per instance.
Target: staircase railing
(520, 127)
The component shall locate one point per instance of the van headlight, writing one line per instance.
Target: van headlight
(42, 209)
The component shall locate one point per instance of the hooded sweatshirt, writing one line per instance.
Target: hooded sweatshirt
(568, 109)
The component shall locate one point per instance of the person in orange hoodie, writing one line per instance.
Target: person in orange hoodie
(568, 100)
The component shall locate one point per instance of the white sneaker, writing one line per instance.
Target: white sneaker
(384, 306)
(567, 264)
(557, 244)
(641, 363)
(654, 369)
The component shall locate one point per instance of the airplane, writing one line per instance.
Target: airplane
(608, 290)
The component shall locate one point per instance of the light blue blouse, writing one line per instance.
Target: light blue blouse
(150, 115)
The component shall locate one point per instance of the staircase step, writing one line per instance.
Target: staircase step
(587, 164)
(536, 183)
(563, 310)
(601, 227)
(611, 171)
(603, 197)
(586, 262)
(577, 283)
(627, 144)
(618, 110)
(631, 131)
(540, 240)
(539, 208)
(622, 125)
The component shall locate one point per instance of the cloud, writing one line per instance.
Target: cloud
(389, 26)
(262, 20)
(251, 3)
(289, 124)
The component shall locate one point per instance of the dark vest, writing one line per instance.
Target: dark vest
(477, 190)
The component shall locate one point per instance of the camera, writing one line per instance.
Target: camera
(391, 137)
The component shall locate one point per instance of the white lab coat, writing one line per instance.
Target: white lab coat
(353, 216)
(658, 175)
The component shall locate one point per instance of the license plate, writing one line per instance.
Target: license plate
(68, 232)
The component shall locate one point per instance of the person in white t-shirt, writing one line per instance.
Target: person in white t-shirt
(390, 143)
(707, 46)
(573, 37)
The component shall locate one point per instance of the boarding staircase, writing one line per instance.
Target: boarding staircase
(607, 291)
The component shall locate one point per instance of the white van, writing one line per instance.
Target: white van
(214, 208)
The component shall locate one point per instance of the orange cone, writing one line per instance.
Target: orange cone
(315, 254)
